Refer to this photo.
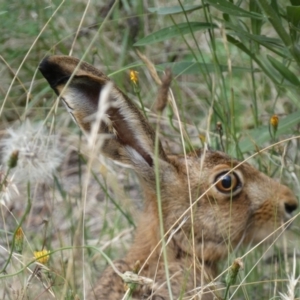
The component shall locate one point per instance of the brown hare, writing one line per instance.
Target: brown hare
(234, 203)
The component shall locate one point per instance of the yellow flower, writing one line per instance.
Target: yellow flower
(133, 76)
(41, 256)
(274, 122)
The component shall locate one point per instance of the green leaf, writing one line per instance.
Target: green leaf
(174, 9)
(293, 16)
(284, 71)
(256, 138)
(274, 5)
(266, 41)
(256, 24)
(295, 2)
(274, 44)
(174, 31)
(259, 60)
(231, 9)
(188, 67)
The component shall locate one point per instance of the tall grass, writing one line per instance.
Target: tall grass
(234, 63)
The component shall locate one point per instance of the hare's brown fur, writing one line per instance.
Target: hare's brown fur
(220, 218)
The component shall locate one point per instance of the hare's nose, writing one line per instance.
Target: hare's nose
(290, 207)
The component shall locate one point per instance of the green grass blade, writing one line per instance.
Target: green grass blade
(284, 71)
(191, 67)
(233, 10)
(174, 31)
(174, 9)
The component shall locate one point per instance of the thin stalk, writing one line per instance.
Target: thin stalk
(159, 205)
(27, 210)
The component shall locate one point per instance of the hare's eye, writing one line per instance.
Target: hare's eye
(227, 182)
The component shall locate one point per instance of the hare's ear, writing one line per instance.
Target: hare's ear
(129, 138)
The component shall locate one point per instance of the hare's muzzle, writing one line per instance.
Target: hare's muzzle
(290, 204)
(290, 207)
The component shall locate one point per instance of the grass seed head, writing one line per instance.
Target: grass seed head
(163, 92)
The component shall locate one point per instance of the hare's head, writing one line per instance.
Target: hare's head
(234, 203)
(219, 200)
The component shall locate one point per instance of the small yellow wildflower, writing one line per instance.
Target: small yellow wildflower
(19, 239)
(133, 76)
(41, 256)
(274, 122)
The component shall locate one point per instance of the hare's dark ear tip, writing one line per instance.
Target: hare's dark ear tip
(46, 64)
(53, 71)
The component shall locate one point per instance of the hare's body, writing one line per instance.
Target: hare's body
(233, 203)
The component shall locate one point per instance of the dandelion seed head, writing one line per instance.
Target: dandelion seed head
(39, 154)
